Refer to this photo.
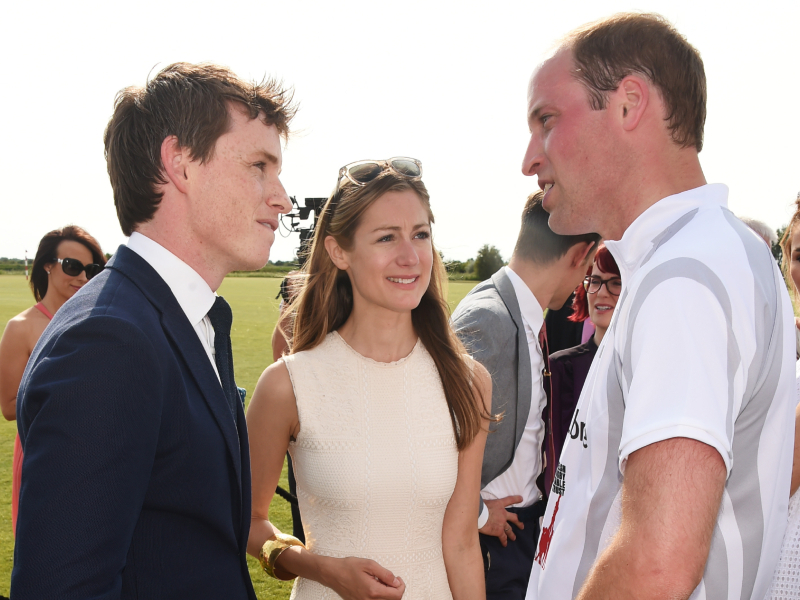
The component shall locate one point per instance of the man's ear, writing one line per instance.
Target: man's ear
(175, 160)
(633, 97)
(581, 254)
(337, 254)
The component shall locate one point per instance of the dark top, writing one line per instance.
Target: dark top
(136, 479)
(561, 332)
(569, 369)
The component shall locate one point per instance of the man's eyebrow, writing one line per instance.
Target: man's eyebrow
(268, 156)
(534, 114)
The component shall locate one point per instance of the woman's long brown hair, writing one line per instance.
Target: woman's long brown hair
(325, 300)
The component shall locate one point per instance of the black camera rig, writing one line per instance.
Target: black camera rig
(297, 218)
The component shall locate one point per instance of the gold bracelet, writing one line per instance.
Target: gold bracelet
(272, 549)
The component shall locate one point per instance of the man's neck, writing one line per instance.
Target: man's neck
(676, 171)
(182, 246)
(542, 281)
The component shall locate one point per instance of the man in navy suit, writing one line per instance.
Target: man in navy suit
(136, 479)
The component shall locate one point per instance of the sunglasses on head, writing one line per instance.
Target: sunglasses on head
(73, 267)
(363, 171)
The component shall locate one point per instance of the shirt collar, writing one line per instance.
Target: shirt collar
(532, 311)
(642, 235)
(190, 290)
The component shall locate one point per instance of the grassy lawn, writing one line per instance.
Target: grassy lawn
(255, 311)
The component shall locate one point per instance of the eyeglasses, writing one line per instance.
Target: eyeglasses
(592, 285)
(363, 171)
(73, 267)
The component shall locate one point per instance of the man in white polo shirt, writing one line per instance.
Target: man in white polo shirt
(681, 488)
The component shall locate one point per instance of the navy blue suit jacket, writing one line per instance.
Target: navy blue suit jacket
(136, 479)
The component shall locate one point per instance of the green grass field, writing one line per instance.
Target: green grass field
(255, 311)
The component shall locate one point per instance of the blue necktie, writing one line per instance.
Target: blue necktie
(222, 319)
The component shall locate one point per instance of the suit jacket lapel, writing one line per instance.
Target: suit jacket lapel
(184, 338)
(524, 381)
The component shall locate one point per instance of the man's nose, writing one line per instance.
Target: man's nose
(533, 157)
(280, 199)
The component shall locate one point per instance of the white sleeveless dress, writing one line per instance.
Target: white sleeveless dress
(375, 461)
(786, 580)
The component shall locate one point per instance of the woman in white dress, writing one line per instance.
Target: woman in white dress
(383, 412)
(786, 581)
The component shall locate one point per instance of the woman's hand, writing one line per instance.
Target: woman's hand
(360, 579)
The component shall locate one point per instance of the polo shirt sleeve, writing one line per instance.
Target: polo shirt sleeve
(677, 369)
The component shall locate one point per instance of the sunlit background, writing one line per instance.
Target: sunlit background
(444, 82)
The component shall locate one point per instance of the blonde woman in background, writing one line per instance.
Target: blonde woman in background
(382, 410)
(786, 581)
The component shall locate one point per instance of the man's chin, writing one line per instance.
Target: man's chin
(564, 223)
(253, 262)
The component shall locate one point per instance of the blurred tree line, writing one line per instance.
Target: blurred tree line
(486, 262)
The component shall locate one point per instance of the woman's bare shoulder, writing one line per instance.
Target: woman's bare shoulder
(274, 387)
(26, 328)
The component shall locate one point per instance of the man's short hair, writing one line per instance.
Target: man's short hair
(537, 242)
(607, 51)
(764, 231)
(192, 103)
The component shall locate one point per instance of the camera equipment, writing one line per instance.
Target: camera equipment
(296, 217)
(312, 210)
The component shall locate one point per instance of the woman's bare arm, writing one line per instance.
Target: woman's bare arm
(462, 555)
(272, 420)
(14, 353)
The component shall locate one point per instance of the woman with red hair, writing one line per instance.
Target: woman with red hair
(594, 300)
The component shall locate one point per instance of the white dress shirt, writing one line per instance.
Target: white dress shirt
(191, 291)
(520, 478)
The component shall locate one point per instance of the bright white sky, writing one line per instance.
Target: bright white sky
(444, 82)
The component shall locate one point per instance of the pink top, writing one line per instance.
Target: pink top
(43, 309)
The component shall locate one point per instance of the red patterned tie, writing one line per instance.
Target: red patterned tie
(545, 481)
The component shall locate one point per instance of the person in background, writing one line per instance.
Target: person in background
(595, 299)
(65, 261)
(384, 413)
(501, 324)
(764, 231)
(786, 580)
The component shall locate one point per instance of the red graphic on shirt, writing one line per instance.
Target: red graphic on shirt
(547, 537)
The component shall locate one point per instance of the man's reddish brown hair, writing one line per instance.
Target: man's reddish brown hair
(192, 103)
(625, 44)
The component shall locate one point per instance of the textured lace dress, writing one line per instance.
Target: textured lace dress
(375, 462)
(786, 580)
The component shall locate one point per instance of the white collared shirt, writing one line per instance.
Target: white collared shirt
(520, 478)
(701, 346)
(191, 291)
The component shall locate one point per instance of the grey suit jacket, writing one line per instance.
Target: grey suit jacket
(489, 323)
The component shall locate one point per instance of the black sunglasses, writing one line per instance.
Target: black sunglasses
(73, 267)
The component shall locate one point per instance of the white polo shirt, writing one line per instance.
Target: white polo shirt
(700, 346)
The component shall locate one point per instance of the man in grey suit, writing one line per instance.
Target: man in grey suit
(500, 323)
